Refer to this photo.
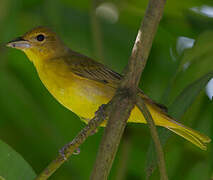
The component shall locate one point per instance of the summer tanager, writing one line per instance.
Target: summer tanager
(82, 84)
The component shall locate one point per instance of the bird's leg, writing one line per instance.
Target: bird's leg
(63, 150)
(101, 110)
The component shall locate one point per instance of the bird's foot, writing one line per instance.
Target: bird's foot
(63, 151)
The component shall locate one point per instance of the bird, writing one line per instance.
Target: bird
(82, 84)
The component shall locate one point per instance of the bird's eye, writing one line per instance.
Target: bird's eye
(40, 37)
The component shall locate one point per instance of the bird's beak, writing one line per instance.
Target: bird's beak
(19, 43)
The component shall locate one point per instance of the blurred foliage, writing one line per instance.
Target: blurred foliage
(36, 126)
(12, 165)
(176, 110)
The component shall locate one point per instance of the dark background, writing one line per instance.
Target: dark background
(35, 125)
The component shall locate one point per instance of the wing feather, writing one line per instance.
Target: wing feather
(87, 68)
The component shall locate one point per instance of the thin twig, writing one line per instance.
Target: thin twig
(121, 104)
(125, 96)
(69, 149)
(96, 31)
(154, 134)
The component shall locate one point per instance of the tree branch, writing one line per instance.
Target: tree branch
(69, 149)
(125, 96)
(120, 106)
(155, 137)
(122, 165)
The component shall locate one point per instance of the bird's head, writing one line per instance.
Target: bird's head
(39, 43)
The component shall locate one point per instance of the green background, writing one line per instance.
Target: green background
(36, 126)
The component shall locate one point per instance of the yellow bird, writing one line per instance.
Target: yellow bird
(82, 84)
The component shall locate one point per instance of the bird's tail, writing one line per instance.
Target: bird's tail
(161, 118)
(189, 134)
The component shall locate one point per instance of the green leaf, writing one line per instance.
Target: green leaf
(200, 51)
(177, 109)
(196, 62)
(187, 96)
(197, 174)
(13, 166)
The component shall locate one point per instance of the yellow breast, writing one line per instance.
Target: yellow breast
(81, 96)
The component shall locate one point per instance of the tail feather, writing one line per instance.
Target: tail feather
(191, 135)
(161, 118)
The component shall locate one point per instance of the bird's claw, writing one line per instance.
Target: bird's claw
(63, 150)
(77, 151)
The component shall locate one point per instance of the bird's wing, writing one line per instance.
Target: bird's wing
(87, 68)
(90, 69)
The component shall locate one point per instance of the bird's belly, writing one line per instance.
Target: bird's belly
(81, 96)
(85, 98)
